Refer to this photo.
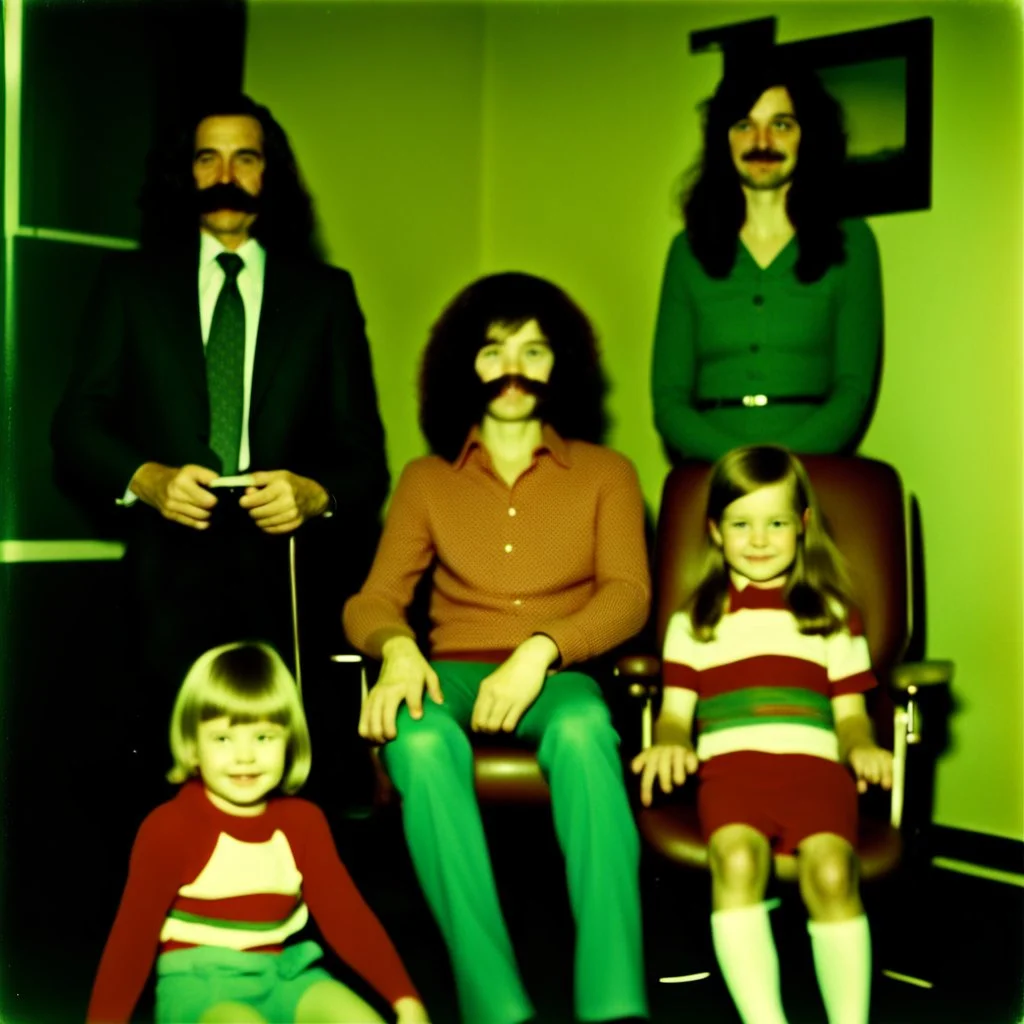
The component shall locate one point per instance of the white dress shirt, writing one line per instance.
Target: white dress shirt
(250, 287)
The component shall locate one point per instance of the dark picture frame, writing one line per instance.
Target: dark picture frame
(882, 77)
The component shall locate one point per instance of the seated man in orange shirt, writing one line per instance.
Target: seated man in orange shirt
(536, 535)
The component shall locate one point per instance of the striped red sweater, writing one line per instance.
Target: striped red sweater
(762, 684)
(199, 876)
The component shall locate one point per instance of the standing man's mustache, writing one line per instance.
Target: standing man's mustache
(764, 155)
(225, 196)
(493, 388)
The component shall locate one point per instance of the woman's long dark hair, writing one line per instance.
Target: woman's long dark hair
(451, 397)
(714, 206)
(286, 222)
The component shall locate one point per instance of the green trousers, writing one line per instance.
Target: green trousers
(431, 764)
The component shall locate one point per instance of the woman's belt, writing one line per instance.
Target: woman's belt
(757, 401)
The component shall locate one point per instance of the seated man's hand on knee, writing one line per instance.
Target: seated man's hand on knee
(404, 675)
(507, 693)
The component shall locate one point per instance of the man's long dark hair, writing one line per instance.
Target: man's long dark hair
(714, 206)
(286, 222)
(451, 397)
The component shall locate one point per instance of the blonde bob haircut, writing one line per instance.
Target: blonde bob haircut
(244, 682)
(817, 590)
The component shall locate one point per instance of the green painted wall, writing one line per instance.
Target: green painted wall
(382, 104)
(443, 141)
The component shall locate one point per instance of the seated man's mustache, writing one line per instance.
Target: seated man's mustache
(493, 388)
(225, 196)
(763, 155)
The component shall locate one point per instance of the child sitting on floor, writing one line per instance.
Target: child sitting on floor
(225, 874)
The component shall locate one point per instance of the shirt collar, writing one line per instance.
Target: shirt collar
(254, 256)
(745, 595)
(551, 443)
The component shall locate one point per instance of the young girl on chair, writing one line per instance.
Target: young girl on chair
(770, 654)
(225, 874)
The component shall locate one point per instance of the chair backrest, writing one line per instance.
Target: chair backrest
(862, 504)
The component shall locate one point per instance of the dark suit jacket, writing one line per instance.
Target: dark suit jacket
(137, 391)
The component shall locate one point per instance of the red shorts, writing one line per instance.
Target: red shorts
(786, 797)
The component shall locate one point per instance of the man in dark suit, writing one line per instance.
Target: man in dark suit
(225, 346)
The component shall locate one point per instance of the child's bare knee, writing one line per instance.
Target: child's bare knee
(829, 872)
(739, 859)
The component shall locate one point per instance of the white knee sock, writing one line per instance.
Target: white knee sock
(749, 963)
(842, 961)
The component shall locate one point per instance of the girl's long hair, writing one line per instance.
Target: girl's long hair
(244, 682)
(817, 590)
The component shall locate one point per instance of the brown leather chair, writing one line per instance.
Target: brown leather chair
(863, 505)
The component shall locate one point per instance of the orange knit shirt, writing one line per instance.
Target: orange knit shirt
(561, 552)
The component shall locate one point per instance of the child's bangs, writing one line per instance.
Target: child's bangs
(745, 470)
(245, 686)
(245, 713)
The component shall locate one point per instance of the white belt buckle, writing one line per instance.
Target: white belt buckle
(754, 400)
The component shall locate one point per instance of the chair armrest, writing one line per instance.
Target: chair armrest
(384, 789)
(642, 672)
(910, 676)
(907, 683)
(354, 659)
(638, 665)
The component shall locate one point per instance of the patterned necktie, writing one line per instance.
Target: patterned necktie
(225, 366)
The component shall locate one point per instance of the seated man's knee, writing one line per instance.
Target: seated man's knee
(581, 724)
(433, 741)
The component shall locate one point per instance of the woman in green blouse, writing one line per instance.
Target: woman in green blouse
(770, 323)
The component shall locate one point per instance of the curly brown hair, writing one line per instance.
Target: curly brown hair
(452, 398)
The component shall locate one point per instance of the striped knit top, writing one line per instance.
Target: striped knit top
(201, 877)
(561, 552)
(761, 683)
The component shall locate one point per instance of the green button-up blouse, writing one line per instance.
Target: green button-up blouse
(761, 331)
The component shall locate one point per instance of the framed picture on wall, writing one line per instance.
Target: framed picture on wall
(882, 78)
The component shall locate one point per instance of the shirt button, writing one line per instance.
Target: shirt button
(518, 601)
(758, 300)
(755, 348)
(511, 511)
(508, 549)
